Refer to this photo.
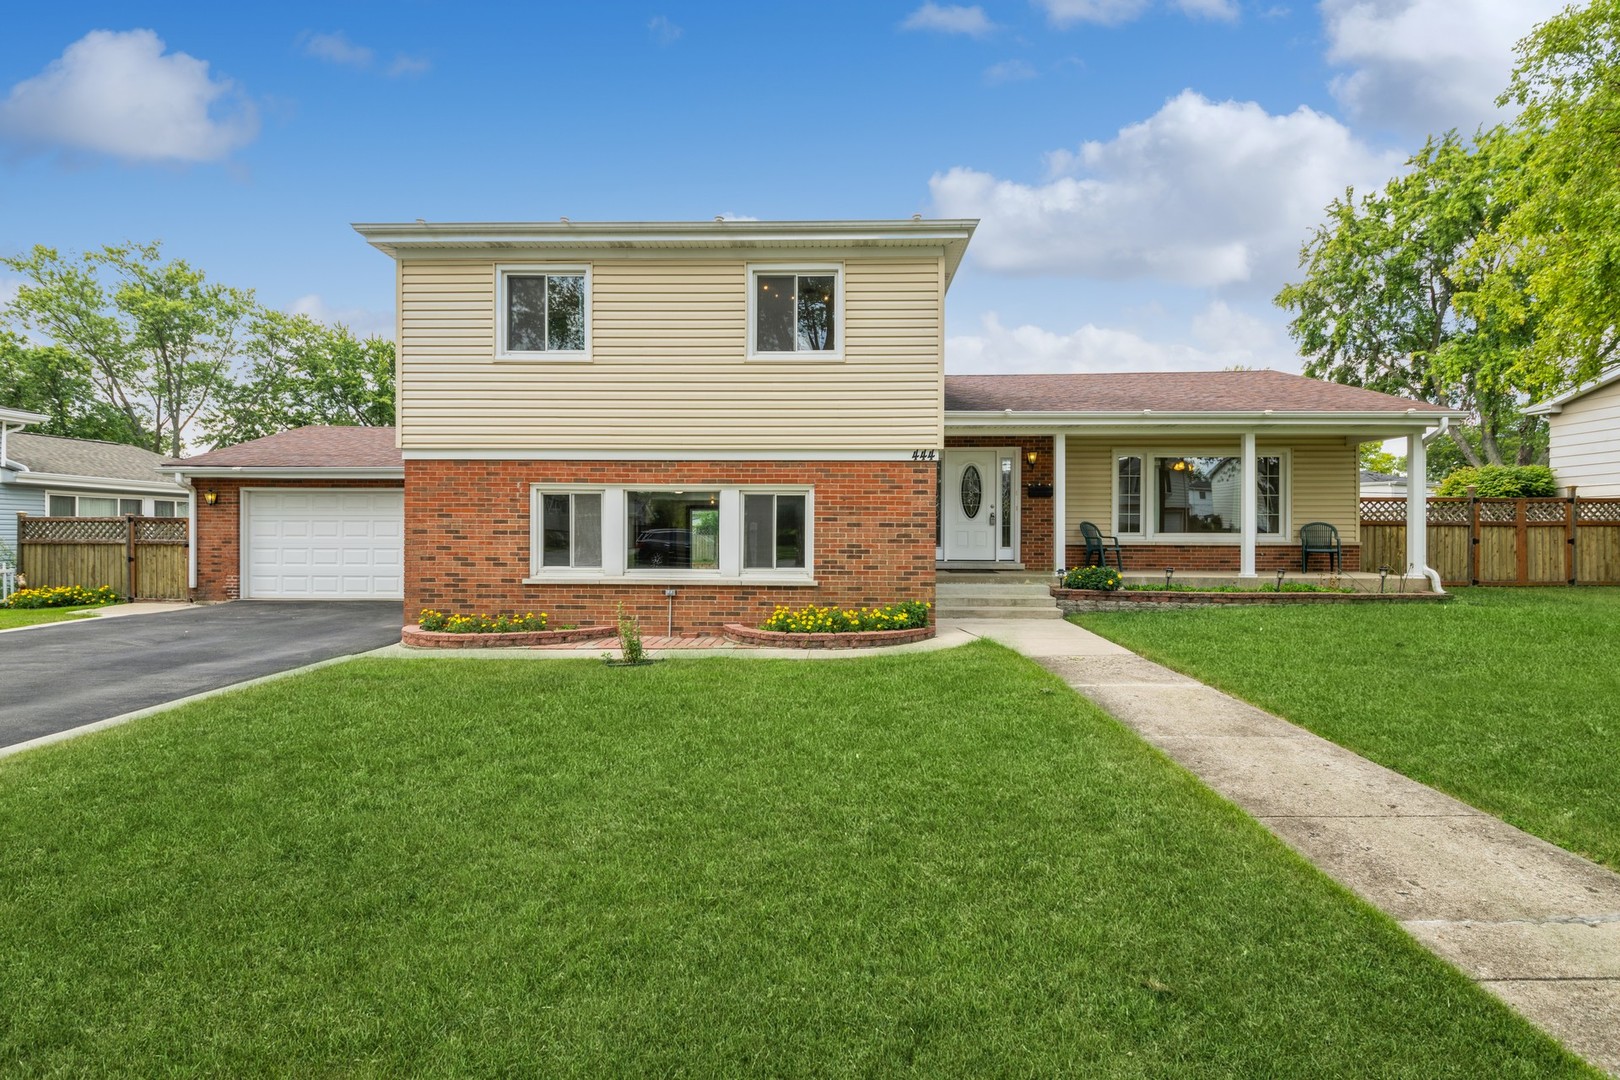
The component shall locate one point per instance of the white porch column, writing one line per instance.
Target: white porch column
(1417, 505)
(1249, 514)
(1060, 487)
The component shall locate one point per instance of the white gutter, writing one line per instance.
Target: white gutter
(253, 472)
(95, 483)
(1262, 417)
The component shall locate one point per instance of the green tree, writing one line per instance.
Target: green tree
(156, 338)
(1555, 257)
(1382, 304)
(50, 380)
(1374, 458)
(300, 372)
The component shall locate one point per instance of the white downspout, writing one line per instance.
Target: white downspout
(1417, 513)
(191, 529)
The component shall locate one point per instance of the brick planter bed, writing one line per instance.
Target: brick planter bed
(418, 638)
(1072, 600)
(860, 639)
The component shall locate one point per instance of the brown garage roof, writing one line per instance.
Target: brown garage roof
(314, 447)
(1168, 392)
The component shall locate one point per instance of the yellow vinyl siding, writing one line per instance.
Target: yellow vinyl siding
(669, 367)
(1323, 482)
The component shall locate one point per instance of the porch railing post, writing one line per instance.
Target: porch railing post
(1060, 488)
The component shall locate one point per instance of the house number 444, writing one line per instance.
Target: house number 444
(924, 455)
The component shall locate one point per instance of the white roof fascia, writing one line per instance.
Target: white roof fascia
(1553, 406)
(18, 416)
(255, 472)
(1259, 419)
(96, 483)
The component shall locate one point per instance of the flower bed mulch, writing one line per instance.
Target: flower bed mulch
(418, 638)
(857, 639)
(1071, 600)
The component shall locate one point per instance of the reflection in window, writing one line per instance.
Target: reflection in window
(1205, 494)
(773, 531)
(795, 312)
(545, 313)
(1129, 511)
(672, 528)
(1006, 502)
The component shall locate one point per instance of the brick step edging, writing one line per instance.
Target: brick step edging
(860, 639)
(1101, 599)
(417, 638)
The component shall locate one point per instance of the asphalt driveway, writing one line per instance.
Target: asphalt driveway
(62, 675)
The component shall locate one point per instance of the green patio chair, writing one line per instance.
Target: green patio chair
(1098, 544)
(1319, 537)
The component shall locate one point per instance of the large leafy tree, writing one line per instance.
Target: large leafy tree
(155, 338)
(1554, 258)
(1383, 303)
(52, 381)
(300, 372)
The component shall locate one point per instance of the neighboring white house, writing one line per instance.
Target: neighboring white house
(1583, 436)
(47, 475)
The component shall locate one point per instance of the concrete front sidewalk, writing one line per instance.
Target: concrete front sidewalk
(1535, 925)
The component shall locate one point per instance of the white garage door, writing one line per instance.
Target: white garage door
(324, 545)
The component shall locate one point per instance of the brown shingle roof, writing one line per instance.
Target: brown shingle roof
(84, 457)
(1169, 392)
(314, 447)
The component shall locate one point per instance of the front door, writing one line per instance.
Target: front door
(970, 505)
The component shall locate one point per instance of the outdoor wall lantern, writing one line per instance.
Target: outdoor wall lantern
(210, 497)
(1032, 457)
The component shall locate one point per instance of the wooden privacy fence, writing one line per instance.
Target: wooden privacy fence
(142, 558)
(1563, 541)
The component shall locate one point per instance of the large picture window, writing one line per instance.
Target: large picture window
(544, 313)
(711, 532)
(796, 312)
(1194, 495)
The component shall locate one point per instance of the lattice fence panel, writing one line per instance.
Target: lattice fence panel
(1546, 511)
(1448, 511)
(1492, 512)
(1381, 511)
(70, 530)
(1598, 511)
(160, 530)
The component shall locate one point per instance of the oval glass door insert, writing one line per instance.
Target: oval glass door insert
(972, 492)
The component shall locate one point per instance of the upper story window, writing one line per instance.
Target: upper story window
(796, 311)
(544, 312)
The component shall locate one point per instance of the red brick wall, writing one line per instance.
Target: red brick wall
(467, 539)
(219, 544)
(1216, 557)
(1035, 524)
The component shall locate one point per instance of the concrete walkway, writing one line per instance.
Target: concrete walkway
(1532, 923)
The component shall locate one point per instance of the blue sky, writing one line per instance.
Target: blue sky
(1145, 169)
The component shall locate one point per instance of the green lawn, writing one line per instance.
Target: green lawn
(33, 617)
(932, 864)
(1508, 699)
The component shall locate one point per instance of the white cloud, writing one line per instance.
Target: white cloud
(1424, 66)
(663, 31)
(1008, 71)
(949, 19)
(336, 48)
(364, 322)
(1201, 193)
(1224, 10)
(1221, 338)
(728, 215)
(119, 93)
(1107, 12)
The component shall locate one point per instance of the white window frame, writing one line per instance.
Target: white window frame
(537, 529)
(181, 503)
(615, 537)
(1151, 534)
(840, 328)
(506, 271)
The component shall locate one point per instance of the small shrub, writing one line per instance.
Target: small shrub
(1500, 482)
(61, 596)
(909, 615)
(630, 650)
(439, 623)
(1105, 578)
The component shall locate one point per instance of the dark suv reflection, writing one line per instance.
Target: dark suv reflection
(664, 547)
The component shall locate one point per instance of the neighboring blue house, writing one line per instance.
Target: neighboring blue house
(46, 475)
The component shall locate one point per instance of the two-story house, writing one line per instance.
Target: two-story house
(700, 421)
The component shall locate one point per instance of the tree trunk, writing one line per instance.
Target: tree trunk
(1465, 447)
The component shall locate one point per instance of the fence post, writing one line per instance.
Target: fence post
(129, 555)
(1473, 535)
(1573, 509)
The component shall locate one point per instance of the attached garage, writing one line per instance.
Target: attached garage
(316, 513)
(315, 544)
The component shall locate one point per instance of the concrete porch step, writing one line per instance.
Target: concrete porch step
(944, 613)
(996, 599)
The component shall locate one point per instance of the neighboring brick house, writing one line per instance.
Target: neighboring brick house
(714, 418)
